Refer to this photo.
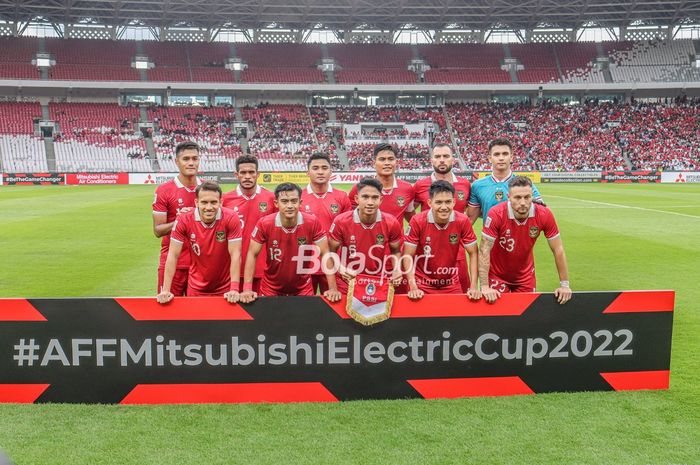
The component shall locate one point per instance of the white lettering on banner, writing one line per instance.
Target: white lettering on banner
(150, 178)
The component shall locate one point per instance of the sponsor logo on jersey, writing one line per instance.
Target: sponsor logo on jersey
(220, 236)
(453, 239)
(262, 206)
(534, 231)
(380, 239)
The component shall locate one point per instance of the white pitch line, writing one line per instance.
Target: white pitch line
(624, 206)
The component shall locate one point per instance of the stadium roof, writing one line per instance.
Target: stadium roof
(356, 14)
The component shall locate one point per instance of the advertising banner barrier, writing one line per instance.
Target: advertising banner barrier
(535, 176)
(97, 178)
(150, 178)
(571, 176)
(34, 179)
(297, 177)
(298, 349)
(639, 176)
(680, 176)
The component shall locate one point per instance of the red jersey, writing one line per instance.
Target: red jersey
(250, 210)
(369, 243)
(512, 260)
(438, 247)
(325, 207)
(395, 201)
(169, 199)
(462, 190)
(211, 261)
(281, 252)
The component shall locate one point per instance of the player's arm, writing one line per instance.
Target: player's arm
(248, 295)
(234, 250)
(396, 275)
(473, 212)
(563, 292)
(473, 255)
(332, 294)
(165, 296)
(484, 266)
(407, 264)
(161, 227)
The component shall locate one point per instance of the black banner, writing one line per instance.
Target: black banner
(33, 179)
(304, 349)
(641, 176)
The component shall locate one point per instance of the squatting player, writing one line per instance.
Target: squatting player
(213, 236)
(443, 162)
(321, 200)
(435, 239)
(506, 262)
(251, 202)
(285, 237)
(492, 190)
(172, 199)
(397, 195)
(367, 238)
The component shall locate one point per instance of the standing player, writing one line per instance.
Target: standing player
(492, 190)
(370, 239)
(213, 235)
(443, 162)
(285, 237)
(397, 195)
(506, 263)
(321, 200)
(435, 240)
(251, 202)
(172, 199)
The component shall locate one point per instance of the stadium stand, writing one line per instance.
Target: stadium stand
(464, 63)
(373, 63)
(654, 61)
(21, 151)
(98, 137)
(286, 63)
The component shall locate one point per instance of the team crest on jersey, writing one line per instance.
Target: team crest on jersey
(301, 240)
(400, 200)
(499, 196)
(453, 239)
(262, 206)
(220, 236)
(380, 239)
(335, 208)
(460, 195)
(534, 231)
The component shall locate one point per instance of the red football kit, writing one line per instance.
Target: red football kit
(396, 201)
(208, 243)
(462, 190)
(361, 242)
(169, 199)
(438, 248)
(250, 209)
(325, 207)
(512, 262)
(281, 252)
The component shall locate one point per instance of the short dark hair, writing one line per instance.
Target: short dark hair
(440, 145)
(382, 147)
(318, 156)
(439, 187)
(500, 141)
(187, 145)
(211, 186)
(369, 182)
(246, 159)
(287, 187)
(519, 181)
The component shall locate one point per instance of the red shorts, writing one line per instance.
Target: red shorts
(269, 291)
(454, 288)
(179, 284)
(217, 293)
(526, 285)
(464, 281)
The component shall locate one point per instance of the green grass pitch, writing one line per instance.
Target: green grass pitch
(97, 241)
